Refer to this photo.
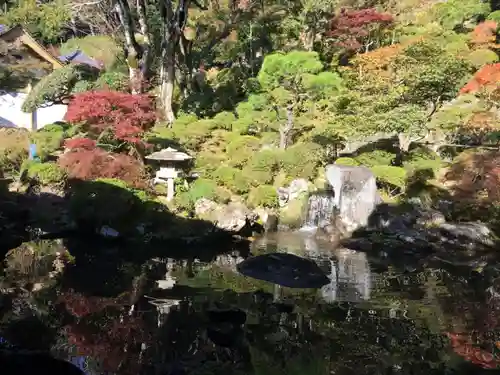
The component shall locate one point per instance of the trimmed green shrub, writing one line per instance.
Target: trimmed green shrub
(45, 173)
(263, 196)
(232, 178)
(301, 160)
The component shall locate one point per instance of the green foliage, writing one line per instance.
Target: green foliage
(13, 149)
(99, 47)
(200, 188)
(58, 86)
(480, 57)
(454, 13)
(280, 69)
(301, 160)
(48, 139)
(114, 80)
(263, 166)
(45, 173)
(421, 158)
(436, 75)
(232, 178)
(404, 119)
(45, 21)
(263, 196)
(494, 16)
(346, 161)
(241, 149)
(386, 174)
(376, 157)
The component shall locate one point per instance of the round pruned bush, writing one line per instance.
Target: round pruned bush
(263, 196)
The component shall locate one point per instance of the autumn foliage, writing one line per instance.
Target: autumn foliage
(105, 338)
(488, 77)
(80, 143)
(484, 35)
(351, 29)
(128, 116)
(463, 345)
(476, 177)
(90, 164)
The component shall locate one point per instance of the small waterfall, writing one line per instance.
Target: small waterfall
(320, 211)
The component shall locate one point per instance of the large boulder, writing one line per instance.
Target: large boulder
(284, 269)
(355, 194)
(231, 217)
(296, 189)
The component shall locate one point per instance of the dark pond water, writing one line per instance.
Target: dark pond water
(110, 314)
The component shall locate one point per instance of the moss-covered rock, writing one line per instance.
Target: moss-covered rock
(292, 215)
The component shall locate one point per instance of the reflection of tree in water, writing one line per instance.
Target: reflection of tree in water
(195, 327)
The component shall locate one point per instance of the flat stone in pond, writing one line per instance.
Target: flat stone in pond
(284, 269)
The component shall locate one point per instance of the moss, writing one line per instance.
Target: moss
(346, 161)
(292, 215)
(395, 176)
(376, 157)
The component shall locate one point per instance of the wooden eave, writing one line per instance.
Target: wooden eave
(18, 32)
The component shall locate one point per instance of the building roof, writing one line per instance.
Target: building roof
(18, 31)
(169, 154)
(79, 57)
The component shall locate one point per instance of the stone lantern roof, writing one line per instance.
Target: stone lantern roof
(169, 154)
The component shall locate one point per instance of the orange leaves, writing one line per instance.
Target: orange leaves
(484, 35)
(378, 59)
(488, 77)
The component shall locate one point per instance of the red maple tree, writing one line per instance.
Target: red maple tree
(90, 164)
(80, 143)
(104, 332)
(353, 29)
(462, 345)
(488, 77)
(127, 116)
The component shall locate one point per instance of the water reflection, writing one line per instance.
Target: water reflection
(187, 316)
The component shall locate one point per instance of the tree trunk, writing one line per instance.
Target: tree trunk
(146, 47)
(133, 49)
(286, 129)
(307, 38)
(167, 75)
(405, 142)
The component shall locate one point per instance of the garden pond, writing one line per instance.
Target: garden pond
(111, 314)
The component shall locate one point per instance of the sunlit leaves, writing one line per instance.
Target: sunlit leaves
(454, 13)
(281, 69)
(46, 20)
(487, 77)
(127, 116)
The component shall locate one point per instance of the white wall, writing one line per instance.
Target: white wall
(11, 115)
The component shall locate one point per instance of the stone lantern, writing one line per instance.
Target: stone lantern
(169, 160)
